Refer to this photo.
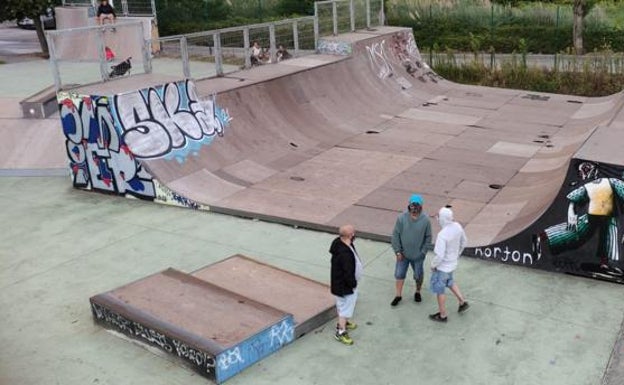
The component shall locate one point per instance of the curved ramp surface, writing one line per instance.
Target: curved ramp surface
(328, 139)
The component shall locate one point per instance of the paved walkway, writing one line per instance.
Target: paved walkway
(60, 246)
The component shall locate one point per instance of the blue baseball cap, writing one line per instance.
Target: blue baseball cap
(416, 199)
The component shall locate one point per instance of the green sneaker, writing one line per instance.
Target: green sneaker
(351, 325)
(344, 338)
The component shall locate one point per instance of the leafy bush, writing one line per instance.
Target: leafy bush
(597, 79)
(546, 28)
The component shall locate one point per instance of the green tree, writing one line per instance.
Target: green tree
(197, 13)
(581, 9)
(33, 9)
(295, 7)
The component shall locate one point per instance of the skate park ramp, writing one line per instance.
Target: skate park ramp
(216, 332)
(343, 136)
(220, 319)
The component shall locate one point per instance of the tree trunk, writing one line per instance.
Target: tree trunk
(41, 36)
(577, 33)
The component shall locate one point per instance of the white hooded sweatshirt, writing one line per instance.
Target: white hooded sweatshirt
(450, 242)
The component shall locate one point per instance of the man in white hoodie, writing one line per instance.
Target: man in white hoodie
(449, 245)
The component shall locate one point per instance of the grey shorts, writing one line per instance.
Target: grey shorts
(346, 305)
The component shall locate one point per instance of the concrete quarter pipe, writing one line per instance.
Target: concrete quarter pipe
(346, 136)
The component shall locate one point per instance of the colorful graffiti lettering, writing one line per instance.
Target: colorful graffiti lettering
(168, 121)
(99, 157)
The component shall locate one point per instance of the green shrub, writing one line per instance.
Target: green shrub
(597, 79)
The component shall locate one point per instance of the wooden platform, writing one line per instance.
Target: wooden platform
(216, 332)
(220, 319)
(310, 302)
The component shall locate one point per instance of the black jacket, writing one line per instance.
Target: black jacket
(342, 268)
(106, 9)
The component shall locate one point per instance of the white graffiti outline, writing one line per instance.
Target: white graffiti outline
(154, 126)
(282, 333)
(230, 358)
(378, 59)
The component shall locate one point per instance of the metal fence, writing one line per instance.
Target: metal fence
(229, 49)
(340, 16)
(86, 54)
(593, 63)
(80, 55)
(123, 7)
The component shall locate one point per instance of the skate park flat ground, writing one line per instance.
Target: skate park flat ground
(62, 245)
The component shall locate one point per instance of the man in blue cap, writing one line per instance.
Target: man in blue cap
(410, 239)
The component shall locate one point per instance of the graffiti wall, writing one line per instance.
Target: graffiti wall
(217, 367)
(388, 54)
(582, 233)
(334, 47)
(108, 137)
(99, 157)
(168, 121)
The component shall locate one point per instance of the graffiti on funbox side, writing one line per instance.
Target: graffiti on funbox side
(169, 121)
(203, 361)
(99, 157)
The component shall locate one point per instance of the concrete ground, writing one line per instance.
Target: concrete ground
(60, 246)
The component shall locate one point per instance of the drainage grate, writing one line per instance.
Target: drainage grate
(293, 145)
(372, 132)
(297, 178)
(496, 186)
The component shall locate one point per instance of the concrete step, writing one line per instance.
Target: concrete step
(310, 302)
(216, 332)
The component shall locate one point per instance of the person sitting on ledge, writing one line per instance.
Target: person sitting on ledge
(105, 12)
(282, 54)
(258, 55)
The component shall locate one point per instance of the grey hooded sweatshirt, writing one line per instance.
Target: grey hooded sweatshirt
(412, 237)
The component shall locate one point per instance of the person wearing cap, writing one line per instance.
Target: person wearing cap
(449, 245)
(410, 239)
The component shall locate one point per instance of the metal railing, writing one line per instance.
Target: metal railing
(202, 54)
(340, 16)
(123, 7)
(230, 49)
(86, 54)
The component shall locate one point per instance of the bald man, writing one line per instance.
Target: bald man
(346, 271)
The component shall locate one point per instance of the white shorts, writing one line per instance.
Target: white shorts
(346, 305)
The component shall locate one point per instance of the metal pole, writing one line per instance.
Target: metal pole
(246, 44)
(382, 14)
(56, 74)
(147, 60)
(218, 54)
(153, 3)
(335, 17)
(352, 15)
(296, 37)
(316, 27)
(492, 24)
(368, 15)
(147, 56)
(124, 7)
(99, 37)
(272, 43)
(186, 66)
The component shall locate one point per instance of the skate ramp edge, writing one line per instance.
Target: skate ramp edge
(368, 112)
(594, 178)
(215, 332)
(220, 319)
